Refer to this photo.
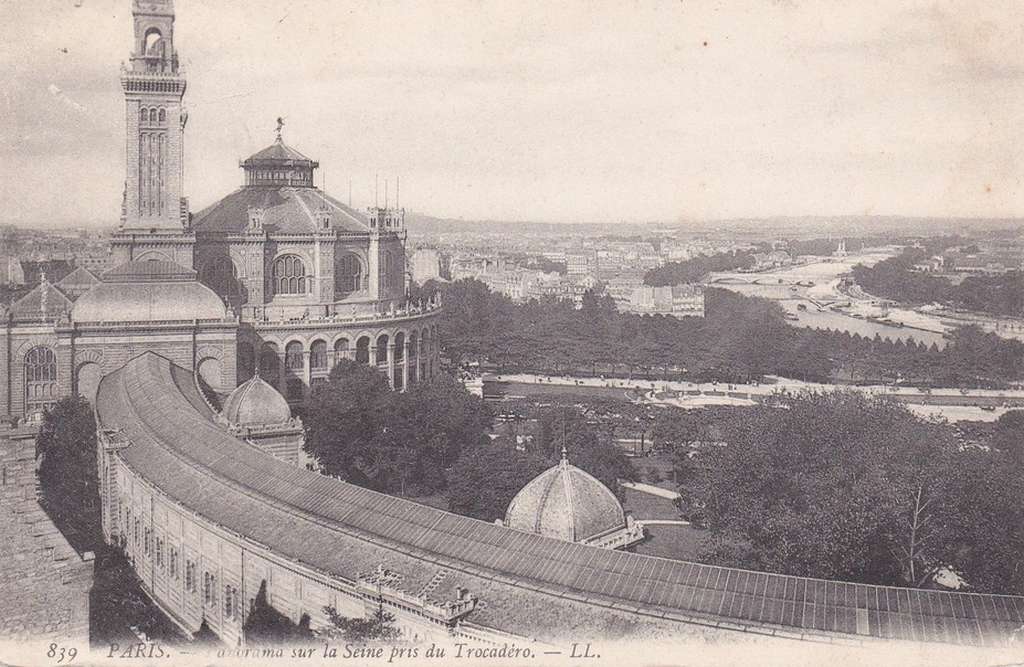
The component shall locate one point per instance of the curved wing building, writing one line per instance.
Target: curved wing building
(208, 518)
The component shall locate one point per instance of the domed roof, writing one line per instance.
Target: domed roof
(255, 402)
(142, 291)
(566, 503)
(286, 210)
(279, 184)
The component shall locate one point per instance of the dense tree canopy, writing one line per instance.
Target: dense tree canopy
(485, 479)
(841, 486)
(739, 339)
(585, 449)
(895, 279)
(66, 447)
(1008, 437)
(344, 421)
(362, 431)
(693, 270)
(380, 627)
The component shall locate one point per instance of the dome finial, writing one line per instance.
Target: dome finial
(280, 127)
(565, 454)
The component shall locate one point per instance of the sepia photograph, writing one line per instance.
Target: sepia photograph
(511, 333)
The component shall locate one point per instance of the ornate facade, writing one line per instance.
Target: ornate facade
(277, 276)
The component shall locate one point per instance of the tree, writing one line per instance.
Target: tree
(204, 636)
(424, 292)
(692, 270)
(344, 420)
(568, 428)
(380, 627)
(989, 501)
(837, 486)
(265, 625)
(472, 319)
(484, 480)
(1008, 436)
(427, 427)
(66, 449)
(395, 442)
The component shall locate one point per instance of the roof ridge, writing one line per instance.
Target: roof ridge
(564, 473)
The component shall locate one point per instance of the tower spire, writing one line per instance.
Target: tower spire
(154, 88)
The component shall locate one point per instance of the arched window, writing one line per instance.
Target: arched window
(163, 116)
(210, 372)
(348, 274)
(412, 344)
(399, 346)
(40, 379)
(382, 349)
(289, 275)
(318, 355)
(293, 360)
(144, 115)
(220, 275)
(153, 44)
(340, 349)
(270, 364)
(363, 350)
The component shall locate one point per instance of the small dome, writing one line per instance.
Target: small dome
(148, 292)
(566, 503)
(256, 403)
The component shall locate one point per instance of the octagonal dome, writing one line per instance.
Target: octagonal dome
(279, 184)
(566, 503)
(256, 403)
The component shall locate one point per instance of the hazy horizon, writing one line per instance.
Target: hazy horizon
(602, 112)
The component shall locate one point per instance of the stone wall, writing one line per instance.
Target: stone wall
(101, 350)
(44, 583)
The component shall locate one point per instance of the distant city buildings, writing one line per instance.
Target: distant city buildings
(976, 259)
(679, 300)
(11, 271)
(567, 266)
(425, 264)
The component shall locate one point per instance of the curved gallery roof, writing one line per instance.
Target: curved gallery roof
(528, 584)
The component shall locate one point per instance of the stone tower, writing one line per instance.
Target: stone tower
(155, 217)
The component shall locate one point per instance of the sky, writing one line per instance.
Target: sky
(597, 111)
